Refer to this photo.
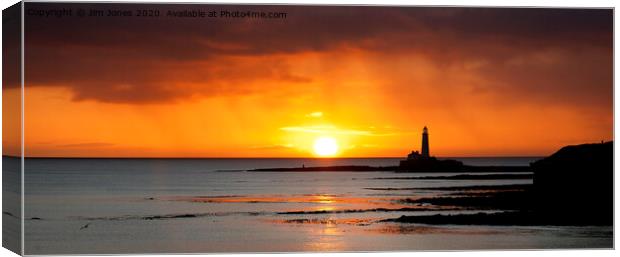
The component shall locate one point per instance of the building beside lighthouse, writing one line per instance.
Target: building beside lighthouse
(423, 161)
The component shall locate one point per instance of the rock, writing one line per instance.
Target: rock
(577, 182)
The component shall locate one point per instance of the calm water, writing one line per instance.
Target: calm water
(208, 205)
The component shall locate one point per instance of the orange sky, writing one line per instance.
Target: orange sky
(270, 88)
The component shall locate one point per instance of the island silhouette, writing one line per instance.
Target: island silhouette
(415, 162)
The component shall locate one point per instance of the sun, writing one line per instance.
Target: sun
(325, 146)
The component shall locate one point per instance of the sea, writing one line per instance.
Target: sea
(128, 206)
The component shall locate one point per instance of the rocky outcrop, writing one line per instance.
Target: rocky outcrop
(577, 182)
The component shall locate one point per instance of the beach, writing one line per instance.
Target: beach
(213, 205)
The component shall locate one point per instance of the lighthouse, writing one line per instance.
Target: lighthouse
(424, 162)
(425, 154)
(425, 151)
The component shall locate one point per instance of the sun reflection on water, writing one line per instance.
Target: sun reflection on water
(326, 237)
(324, 199)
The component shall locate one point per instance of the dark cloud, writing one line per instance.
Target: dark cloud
(11, 46)
(147, 60)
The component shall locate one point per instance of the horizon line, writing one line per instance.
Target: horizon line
(318, 158)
